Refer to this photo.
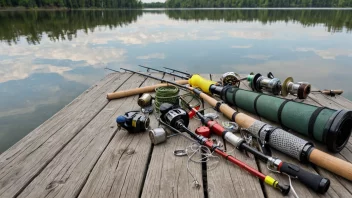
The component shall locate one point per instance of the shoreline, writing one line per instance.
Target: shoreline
(258, 8)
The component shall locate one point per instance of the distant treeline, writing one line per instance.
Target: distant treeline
(60, 25)
(334, 20)
(255, 3)
(72, 3)
(154, 5)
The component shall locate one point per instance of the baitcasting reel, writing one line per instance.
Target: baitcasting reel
(270, 84)
(230, 78)
(301, 89)
(133, 121)
(173, 117)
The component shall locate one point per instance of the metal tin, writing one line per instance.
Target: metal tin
(157, 135)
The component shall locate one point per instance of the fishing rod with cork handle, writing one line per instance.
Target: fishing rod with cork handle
(141, 90)
(277, 138)
(176, 120)
(311, 180)
(329, 126)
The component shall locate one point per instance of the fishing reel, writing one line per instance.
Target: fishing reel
(145, 102)
(172, 116)
(270, 84)
(230, 78)
(301, 89)
(133, 121)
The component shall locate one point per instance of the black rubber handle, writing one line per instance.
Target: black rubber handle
(316, 182)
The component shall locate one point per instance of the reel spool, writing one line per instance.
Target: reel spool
(230, 78)
(258, 83)
(133, 121)
(301, 89)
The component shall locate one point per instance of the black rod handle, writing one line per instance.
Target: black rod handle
(314, 181)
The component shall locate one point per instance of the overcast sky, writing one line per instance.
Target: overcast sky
(148, 1)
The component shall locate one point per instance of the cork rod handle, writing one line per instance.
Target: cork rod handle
(331, 163)
(147, 89)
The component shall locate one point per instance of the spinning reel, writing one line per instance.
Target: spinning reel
(301, 89)
(133, 122)
(230, 78)
(172, 116)
(270, 84)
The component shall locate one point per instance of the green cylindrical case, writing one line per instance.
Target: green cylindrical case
(329, 126)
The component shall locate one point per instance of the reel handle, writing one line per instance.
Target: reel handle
(332, 92)
(199, 82)
(313, 181)
(141, 90)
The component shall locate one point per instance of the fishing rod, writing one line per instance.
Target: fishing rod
(165, 72)
(228, 78)
(329, 126)
(178, 71)
(311, 180)
(175, 120)
(140, 90)
(277, 138)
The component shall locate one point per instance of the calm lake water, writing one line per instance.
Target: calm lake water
(48, 58)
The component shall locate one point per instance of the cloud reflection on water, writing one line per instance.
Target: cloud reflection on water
(204, 46)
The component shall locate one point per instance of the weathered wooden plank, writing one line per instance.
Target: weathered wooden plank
(18, 167)
(50, 124)
(105, 180)
(227, 179)
(338, 100)
(167, 175)
(66, 174)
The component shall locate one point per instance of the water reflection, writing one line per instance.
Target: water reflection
(48, 58)
(59, 25)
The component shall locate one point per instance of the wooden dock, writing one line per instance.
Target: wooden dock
(79, 152)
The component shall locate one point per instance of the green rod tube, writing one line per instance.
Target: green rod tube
(329, 126)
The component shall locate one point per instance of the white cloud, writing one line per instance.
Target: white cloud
(257, 56)
(328, 53)
(152, 56)
(241, 46)
(256, 35)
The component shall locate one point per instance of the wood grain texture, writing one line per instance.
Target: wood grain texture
(67, 173)
(23, 162)
(120, 170)
(167, 174)
(227, 179)
(79, 153)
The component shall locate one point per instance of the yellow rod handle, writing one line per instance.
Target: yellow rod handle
(197, 81)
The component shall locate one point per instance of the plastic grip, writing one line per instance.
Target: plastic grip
(314, 181)
(199, 82)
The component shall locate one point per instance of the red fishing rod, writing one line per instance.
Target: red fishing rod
(177, 119)
(311, 180)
